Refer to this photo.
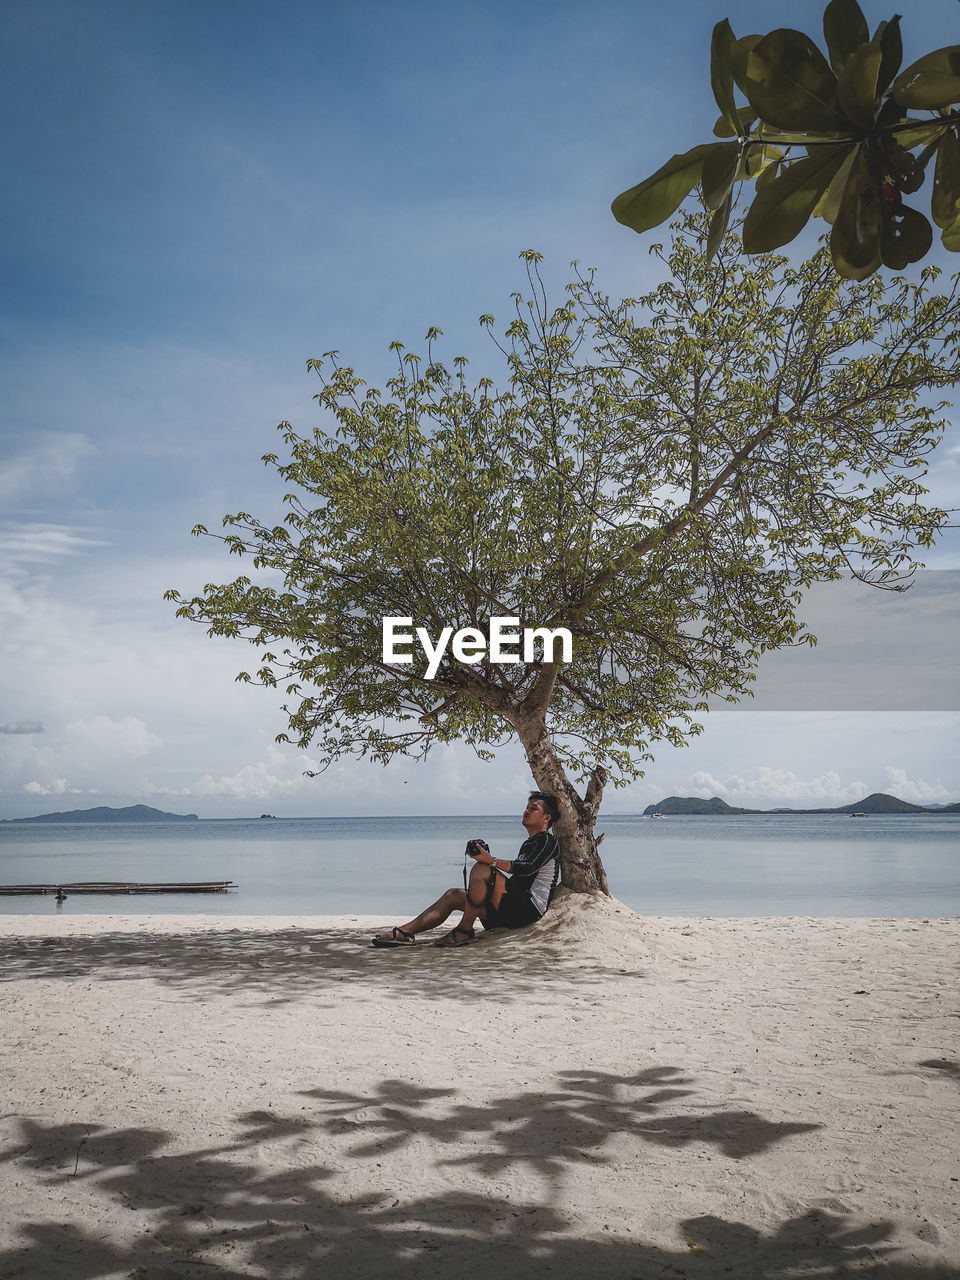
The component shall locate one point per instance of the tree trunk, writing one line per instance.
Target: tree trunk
(580, 866)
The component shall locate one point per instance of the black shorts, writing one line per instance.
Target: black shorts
(515, 911)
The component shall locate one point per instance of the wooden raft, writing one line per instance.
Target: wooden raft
(118, 886)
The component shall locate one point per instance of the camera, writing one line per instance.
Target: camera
(474, 847)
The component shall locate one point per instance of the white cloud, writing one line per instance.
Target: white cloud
(33, 543)
(17, 727)
(58, 787)
(453, 773)
(83, 757)
(49, 466)
(778, 787)
(917, 791)
(126, 737)
(276, 776)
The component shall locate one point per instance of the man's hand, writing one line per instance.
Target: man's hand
(476, 848)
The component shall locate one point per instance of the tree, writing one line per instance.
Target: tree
(662, 477)
(852, 118)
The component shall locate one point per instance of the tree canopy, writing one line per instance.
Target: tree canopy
(850, 116)
(662, 476)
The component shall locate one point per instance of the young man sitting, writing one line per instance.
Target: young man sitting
(491, 897)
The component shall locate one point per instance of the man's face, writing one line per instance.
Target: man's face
(534, 814)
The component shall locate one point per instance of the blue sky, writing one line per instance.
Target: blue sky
(200, 197)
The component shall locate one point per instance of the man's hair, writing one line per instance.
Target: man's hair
(549, 803)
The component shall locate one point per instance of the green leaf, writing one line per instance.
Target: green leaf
(933, 81)
(906, 171)
(923, 159)
(754, 159)
(718, 226)
(768, 174)
(719, 170)
(651, 201)
(920, 133)
(855, 239)
(782, 206)
(945, 201)
(951, 237)
(828, 205)
(740, 56)
(857, 84)
(887, 36)
(844, 28)
(790, 85)
(722, 45)
(907, 237)
(745, 117)
(779, 136)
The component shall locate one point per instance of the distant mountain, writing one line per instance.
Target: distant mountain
(881, 803)
(693, 804)
(876, 803)
(133, 813)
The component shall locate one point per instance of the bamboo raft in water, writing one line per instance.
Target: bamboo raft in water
(117, 886)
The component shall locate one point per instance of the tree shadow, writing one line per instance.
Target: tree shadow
(262, 1202)
(546, 1130)
(218, 1214)
(288, 964)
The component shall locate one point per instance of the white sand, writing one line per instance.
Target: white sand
(600, 1095)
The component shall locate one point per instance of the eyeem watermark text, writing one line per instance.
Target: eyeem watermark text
(503, 645)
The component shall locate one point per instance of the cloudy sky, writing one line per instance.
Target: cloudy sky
(199, 198)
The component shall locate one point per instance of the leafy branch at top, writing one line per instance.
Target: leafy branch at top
(849, 117)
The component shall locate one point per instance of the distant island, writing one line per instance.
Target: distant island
(879, 802)
(133, 813)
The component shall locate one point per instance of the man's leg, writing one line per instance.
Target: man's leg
(471, 903)
(437, 912)
(485, 886)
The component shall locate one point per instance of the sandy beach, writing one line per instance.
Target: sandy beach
(603, 1094)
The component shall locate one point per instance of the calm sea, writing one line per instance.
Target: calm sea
(818, 865)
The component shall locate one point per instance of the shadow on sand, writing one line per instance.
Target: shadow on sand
(272, 1199)
(287, 964)
(548, 1130)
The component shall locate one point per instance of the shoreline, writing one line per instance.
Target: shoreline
(90, 924)
(602, 1093)
(173, 922)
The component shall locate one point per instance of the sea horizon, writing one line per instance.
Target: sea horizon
(67, 816)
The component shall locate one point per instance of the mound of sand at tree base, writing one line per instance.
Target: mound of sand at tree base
(602, 1094)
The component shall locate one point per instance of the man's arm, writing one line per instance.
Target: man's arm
(486, 859)
(534, 852)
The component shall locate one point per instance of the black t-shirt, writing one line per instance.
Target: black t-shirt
(536, 869)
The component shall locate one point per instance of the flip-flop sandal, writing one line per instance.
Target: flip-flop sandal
(450, 939)
(398, 938)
